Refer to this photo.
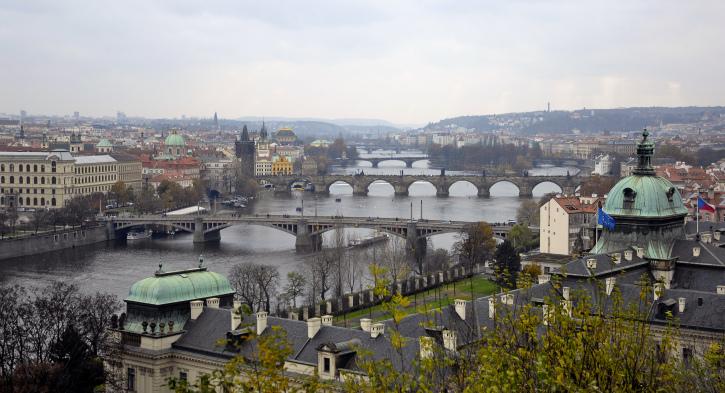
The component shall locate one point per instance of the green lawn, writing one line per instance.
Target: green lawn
(426, 301)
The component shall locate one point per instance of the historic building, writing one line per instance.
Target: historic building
(281, 166)
(49, 179)
(244, 149)
(567, 224)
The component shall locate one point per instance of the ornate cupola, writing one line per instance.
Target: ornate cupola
(648, 212)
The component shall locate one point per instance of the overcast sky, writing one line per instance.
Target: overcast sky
(404, 61)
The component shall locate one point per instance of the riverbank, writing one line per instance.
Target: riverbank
(45, 242)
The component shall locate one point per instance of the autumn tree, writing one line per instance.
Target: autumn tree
(507, 263)
(476, 244)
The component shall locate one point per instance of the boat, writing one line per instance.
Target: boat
(139, 235)
(367, 241)
(297, 187)
(338, 199)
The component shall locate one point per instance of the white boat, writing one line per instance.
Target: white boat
(139, 235)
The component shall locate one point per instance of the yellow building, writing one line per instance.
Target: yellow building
(281, 166)
(50, 179)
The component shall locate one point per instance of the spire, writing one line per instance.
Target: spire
(645, 151)
(245, 134)
(263, 131)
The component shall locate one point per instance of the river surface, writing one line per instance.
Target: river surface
(115, 267)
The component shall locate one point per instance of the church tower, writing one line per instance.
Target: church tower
(244, 149)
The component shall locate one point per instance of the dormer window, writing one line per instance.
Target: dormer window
(629, 196)
(670, 193)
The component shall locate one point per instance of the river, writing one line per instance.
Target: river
(114, 267)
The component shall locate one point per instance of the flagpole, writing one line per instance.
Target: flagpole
(697, 214)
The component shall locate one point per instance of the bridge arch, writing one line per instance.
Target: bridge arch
(379, 182)
(390, 160)
(463, 188)
(343, 187)
(503, 188)
(369, 164)
(429, 190)
(415, 161)
(545, 186)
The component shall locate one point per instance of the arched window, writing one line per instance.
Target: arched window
(52, 180)
(42, 180)
(629, 197)
(42, 168)
(27, 168)
(2, 167)
(52, 166)
(20, 201)
(42, 201)
(27, 179)
(52, 201)
(35, 167)
(35, 179)
(2, 179)
(12, 179)
(20, 179)
(35, 201)
(20, 168)
(12, 167)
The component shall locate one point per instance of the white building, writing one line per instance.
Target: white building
(567, 225)
(603, 165)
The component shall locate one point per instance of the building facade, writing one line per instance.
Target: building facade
(567, 225)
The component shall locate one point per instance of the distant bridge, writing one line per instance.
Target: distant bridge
(361, 183)
(307, 230)
(375, 161)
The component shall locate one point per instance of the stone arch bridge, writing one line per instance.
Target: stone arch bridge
(307, 230)
(361, 183)
(375, 161)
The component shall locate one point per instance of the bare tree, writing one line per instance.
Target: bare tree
(319, 270)
(243, 281)
(339, 254)
(267, 278)
(394, 259)
(295, 287)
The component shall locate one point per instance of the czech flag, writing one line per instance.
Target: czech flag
(704, 206)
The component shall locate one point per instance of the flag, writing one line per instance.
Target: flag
(605, 219)
(704, 206)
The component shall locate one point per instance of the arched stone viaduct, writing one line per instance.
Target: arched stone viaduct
(361, 183)
(375, 161)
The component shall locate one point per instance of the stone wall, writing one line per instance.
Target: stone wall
(52, 241)
(363, 299)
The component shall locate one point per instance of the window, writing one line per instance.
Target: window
(27, 168)
(42, 168)
(326, 364)
(131, 379)
(686, 355)
(2, 167)
(2, 179)
(35, 168)
(35, 179)
(52, 201)
(183, 376)
(52, 180)
(42, 180)
(52, 166)
(629, 196)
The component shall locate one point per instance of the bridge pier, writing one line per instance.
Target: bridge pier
(441, 190)
(321, 188)
(400, 190)
(568, 190)
(526, 191)
(416, 247)
(483, 192)
(359, 189)
(204, 237)
(305, 241)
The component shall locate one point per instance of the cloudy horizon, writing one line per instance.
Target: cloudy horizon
(408, 62)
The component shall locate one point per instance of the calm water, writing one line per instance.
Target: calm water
(114, 267)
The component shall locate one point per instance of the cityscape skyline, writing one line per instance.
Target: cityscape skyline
(412, 64)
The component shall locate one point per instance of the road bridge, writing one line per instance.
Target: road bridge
(361, 183)
(307, 230)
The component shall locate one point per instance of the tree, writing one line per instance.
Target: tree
(521, 237)
(507, 264)
(295, 287)
(528, 213)
(121, 193)
(599, 185)
(438, 259)
(255, 284)
(39, 219)
(319, 271)
(477, 243)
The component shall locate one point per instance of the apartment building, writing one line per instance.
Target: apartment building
(567, 225)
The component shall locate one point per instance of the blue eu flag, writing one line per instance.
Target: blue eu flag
(605, 219)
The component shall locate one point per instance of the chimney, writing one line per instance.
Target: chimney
(617, 258)
(640, 252)
(696, 251)
(377, 329)
(313, 326)
(659, 288)
(706, 237)
(565, 292)
(365, 324)
(609, 283)
(236, 304)
(197, 306)
(544, 278)
(461, 308)
(681, 304)
(591, 263)
(327, 320)
(491, 307)
(450, 341)
(628, 255)
(426, 347)
(261, 322)
(236, 315)
(716, 235)
(212, 302)
(721, 289)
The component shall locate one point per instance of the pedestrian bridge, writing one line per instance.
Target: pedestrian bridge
(307, 230)
(361, 183)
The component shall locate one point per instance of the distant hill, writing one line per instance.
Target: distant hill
(585, 120)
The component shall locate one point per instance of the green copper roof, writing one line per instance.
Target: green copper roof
(174, 140)
(653, 196)
(104, 143)
(179, 286)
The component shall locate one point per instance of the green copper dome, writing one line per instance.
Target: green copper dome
(174, 140)
(179, 286)
(644, 196)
